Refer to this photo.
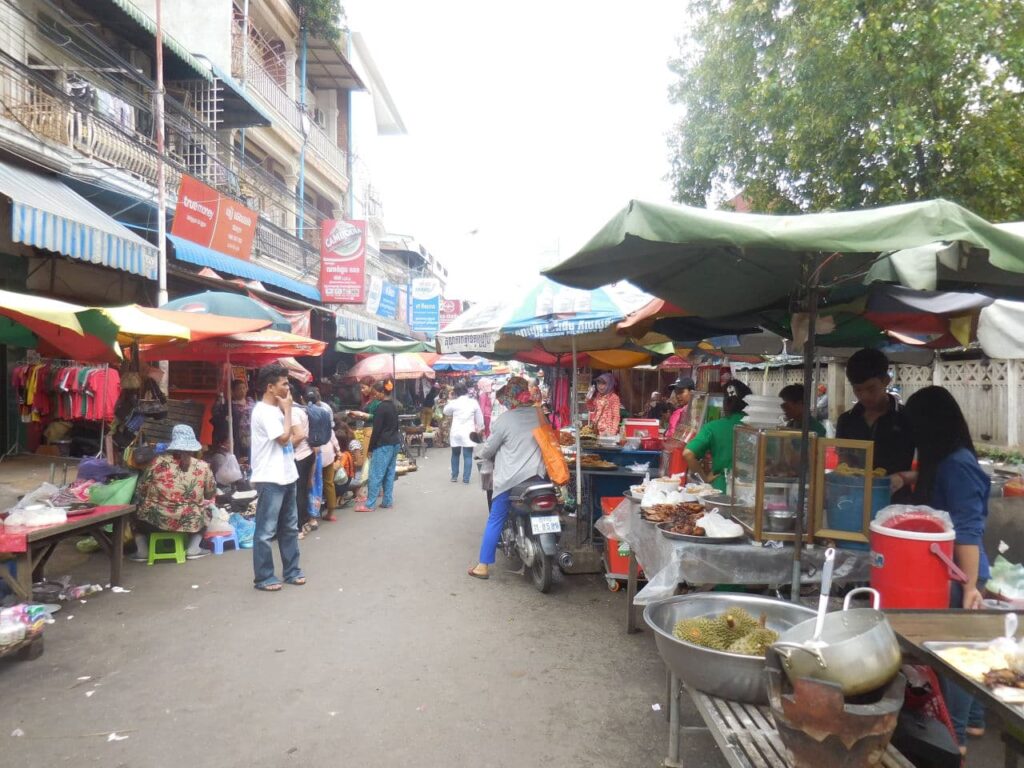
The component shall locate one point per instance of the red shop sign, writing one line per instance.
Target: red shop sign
(343, 262)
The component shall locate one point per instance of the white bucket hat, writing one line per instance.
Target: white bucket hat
(184, 439)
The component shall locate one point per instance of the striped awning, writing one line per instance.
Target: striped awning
(49, 215)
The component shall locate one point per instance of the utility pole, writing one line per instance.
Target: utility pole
(304, 120)
(161, 191)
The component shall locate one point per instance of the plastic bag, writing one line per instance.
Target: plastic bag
(316, 487)
(229, 471)
(219, 522)
(39, 496)
(245, 529)
(902, 513)
(114, 493)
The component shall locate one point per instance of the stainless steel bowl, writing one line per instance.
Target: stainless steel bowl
(729, 675)
(779, 521)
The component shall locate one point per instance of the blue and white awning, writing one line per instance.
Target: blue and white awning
(47, 214)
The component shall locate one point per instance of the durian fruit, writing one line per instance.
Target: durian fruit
(698, 630)
(734, 624)
(755, 643)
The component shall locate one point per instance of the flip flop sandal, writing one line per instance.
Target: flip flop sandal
(298, 581)
(481, 576)
(363, 508)
(274, 586)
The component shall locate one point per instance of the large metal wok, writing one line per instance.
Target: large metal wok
(858, 649)
(728, 675)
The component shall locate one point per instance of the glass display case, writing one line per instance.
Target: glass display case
(765, 483)
(849, 491)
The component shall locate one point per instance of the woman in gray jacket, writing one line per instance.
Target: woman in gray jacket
(516, 458)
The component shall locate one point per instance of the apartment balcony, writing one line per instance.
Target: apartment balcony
(38, 109)
(267, 86)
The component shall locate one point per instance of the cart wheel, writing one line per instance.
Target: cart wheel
(613, 585)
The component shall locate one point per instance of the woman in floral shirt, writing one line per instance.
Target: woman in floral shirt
(603, 405)
(176, 492)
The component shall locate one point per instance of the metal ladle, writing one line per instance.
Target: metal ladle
(826, 589)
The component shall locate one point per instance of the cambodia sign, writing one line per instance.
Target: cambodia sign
(450, 309)
(343, 262)
(425, 305)
(211, 219)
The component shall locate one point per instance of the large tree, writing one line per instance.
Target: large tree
(837, 104)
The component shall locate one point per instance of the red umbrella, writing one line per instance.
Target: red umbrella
(405, 365)
(253, 349)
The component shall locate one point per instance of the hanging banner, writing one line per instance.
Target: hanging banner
(213, 220)
(300, 319)
(388, 301)
(374, 286)
(450, 309)
(343, 262)
(425, 305)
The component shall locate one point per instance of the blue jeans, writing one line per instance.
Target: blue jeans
(467, 463)
(382, 474)
(964, 710)
(500, 506)
(276, 515)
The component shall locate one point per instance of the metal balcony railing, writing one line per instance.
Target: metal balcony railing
(244, 64)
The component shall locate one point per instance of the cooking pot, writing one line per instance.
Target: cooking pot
(858, 649)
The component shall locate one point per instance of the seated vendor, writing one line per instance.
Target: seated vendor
(176, 492)
(793, 408)
(715, 437)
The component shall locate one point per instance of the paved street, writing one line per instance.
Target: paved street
(390, 656)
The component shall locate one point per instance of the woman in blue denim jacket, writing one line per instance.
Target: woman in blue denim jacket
(949, 478)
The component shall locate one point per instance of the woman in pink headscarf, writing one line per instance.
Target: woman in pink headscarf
(603, 404)
(483, 388)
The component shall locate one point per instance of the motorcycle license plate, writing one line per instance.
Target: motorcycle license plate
(550, 524)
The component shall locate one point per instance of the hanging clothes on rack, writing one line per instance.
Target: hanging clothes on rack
(65, 389)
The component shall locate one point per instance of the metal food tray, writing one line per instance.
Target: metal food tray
(700, 539)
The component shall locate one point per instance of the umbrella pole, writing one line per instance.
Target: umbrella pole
(574, 413)
(805, 440)
(231, 417)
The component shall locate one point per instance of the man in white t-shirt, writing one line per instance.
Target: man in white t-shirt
(274, 475)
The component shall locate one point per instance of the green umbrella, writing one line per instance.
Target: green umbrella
(717, 263)
(230, 305)
(380, 347)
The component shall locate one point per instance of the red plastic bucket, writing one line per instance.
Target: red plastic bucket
(904, 568)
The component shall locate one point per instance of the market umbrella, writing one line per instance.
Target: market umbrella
(719, 264)
(296, 370)
(453, 362)
(203, 326)
(547, 312)
(404, 366)
(253, 348)
(230, 305)
(57, 328)
(137, 326)
(376, 347)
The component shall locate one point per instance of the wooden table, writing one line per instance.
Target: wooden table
(33, 546)
(745, 733)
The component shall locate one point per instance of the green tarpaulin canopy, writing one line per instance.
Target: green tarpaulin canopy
(719, 263)
(382, 347)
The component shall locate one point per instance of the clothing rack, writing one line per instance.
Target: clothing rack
(63, 362)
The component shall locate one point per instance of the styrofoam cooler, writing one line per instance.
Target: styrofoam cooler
(911, 568)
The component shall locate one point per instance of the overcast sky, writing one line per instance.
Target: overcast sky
(529, 124)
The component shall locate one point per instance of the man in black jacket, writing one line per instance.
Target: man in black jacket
(877, 416)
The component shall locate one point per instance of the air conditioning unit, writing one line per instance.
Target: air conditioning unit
(320, 118)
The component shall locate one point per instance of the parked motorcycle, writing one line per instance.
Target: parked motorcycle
(532, 529)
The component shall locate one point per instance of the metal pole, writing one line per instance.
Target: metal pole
(805, 440)
(161, 192)
(300, 226)
(574, 413)
(231, 416)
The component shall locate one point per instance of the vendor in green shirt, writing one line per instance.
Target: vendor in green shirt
(715, 437)
(793, 408)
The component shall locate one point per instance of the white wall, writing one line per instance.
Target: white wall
(201, 26)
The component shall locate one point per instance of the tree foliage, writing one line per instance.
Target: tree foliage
(321, 17)
(837, 104)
